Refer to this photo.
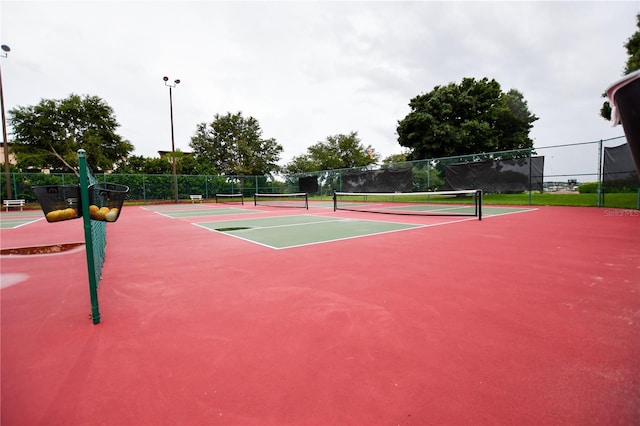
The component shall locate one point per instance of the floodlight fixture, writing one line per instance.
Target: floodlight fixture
(173, 144)
(166, 82)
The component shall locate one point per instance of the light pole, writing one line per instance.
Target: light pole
(173, 144)
(5, 144)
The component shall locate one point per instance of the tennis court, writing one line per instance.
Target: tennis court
(197, 212)
(244, 315)
(293, 231)
(16, 219)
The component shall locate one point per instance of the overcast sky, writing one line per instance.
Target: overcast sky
(308, 70)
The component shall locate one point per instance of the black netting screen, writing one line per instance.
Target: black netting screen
(515, 175)
(383, 180)
(308, 184)
(626, 100)
(619, 169)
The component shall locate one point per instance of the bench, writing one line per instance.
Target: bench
(195, 198)
(13, 203)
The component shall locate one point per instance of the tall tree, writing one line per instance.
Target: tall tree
(395, 158)
(336, 152)
(470, 117)
(234, 145)
(633, 63)
(185, 165)
(633, 50)
(48, 135)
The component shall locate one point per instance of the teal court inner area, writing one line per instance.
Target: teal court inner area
(293, 231)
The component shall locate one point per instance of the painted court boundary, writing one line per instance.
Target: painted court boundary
(402, 226)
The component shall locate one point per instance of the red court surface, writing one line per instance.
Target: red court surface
(523, 319)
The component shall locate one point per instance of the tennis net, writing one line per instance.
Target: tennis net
(442, 203)
(299, 199)
(230, 198)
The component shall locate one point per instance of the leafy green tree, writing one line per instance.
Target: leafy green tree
(633, 50)
(192, 165)
(395, 158)
(132, 164)
(302, 163)
(633, 63)
(137, 164)
(158, 166)
(473, 116)
(337, 152)
(185, 165)
(48, 135)
(234, 145)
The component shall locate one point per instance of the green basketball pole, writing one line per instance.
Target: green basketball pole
(88, 238)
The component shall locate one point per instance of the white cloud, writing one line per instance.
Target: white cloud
(307, 70)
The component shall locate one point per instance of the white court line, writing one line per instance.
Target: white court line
(234, 236)
(413, 226)
(230, 211)
(295, 224)
(7, 280)
(488, 215)
(23, 224)
(314, 242)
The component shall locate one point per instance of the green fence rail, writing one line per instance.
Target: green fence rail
(565, 166)
(153, 187)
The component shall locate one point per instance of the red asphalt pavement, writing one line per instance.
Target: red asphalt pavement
(524, 319)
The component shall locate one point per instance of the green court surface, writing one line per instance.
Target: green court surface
(163, 207)
(14, 223)
(16, 219)
(194, 212)
(293, 231)
(497, 211)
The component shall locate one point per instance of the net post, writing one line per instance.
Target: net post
(255, 198)
(88, 238)
(479, 203)
(306, 200)
(335, 201)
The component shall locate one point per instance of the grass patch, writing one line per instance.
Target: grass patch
(621, 200)
(627, 200)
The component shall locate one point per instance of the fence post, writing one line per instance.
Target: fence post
(599, 172)
(15, 185)
(530, 176)
(86, 218)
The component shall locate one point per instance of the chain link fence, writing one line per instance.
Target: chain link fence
(568, 168)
